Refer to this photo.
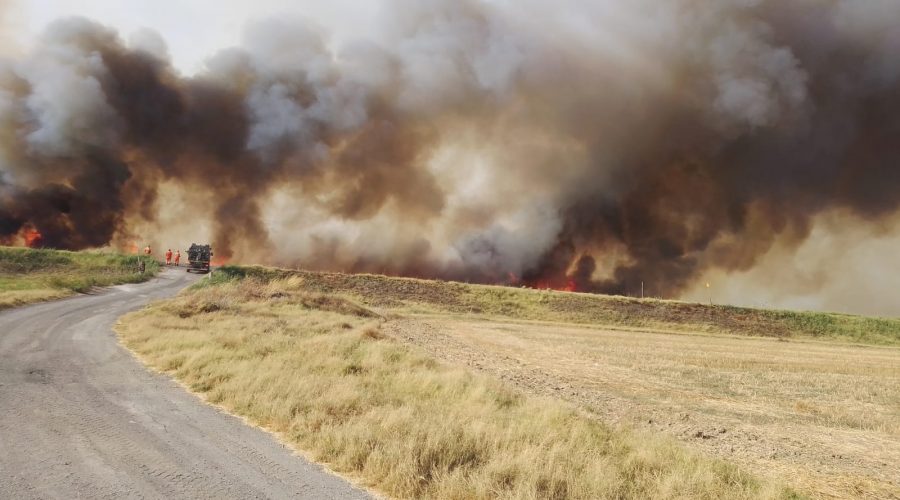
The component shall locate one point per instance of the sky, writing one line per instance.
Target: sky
(190, 40)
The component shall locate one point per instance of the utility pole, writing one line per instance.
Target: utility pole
(642, 289)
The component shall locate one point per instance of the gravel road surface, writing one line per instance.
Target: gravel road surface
(80, 418)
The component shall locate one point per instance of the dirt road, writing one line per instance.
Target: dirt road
(80, 418)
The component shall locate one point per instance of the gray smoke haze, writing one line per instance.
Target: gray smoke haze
(585, 145)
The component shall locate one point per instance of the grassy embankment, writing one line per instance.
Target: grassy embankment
(33, 275)
(407, 295)
(298, 355)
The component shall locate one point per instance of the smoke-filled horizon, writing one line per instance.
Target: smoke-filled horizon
(582, 145)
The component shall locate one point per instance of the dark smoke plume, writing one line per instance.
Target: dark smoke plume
(584, 145)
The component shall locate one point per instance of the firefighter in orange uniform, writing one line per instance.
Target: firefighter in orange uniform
(169, 257)
(177, 257)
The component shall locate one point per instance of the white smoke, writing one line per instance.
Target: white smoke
(65, 112)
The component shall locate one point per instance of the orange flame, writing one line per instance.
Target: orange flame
(543, 284)
(33, 238)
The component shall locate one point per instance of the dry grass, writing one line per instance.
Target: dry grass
(315, 368)
(12, 297)
(407, 295)
(35, 275)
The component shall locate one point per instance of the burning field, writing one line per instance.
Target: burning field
(574, 145)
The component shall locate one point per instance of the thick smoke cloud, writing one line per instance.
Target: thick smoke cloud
(583, 145)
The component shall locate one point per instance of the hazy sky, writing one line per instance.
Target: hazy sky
(195, 29)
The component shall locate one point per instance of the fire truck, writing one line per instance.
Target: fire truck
(199, 257)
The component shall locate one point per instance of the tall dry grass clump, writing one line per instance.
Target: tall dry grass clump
(316, 369)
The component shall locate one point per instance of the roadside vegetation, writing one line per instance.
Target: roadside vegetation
(409, 295)
(304, 355)
(33, 275)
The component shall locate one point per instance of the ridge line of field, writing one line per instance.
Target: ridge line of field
(419, 296)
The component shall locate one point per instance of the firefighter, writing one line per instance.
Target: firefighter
(169, 257)
(177, 257)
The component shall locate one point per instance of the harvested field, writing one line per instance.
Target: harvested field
(823, 417)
